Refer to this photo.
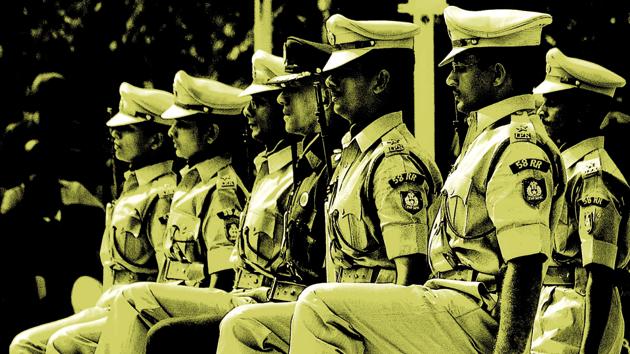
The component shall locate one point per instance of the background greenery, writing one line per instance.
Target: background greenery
(98, 44)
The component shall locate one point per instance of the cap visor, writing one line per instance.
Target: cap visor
(120, 119)
(550, 86)
(449, 57)
(343, 57)
(283, 79)
(175, 111)
(258, 88)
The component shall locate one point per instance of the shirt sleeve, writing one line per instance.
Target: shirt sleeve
(400, 196)
(221, 228)
(519, 200)
(599, 222)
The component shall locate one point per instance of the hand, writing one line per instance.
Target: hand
(259, 294)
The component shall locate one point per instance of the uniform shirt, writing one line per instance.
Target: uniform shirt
(203, 222)
(305, 236)
(590, 228)
(135, 223)
(379, 196)
(502, 198)
(263, 223)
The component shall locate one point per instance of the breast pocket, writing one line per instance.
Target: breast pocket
(132, 244)
(182, 234)
(262, 236)
(352, 230)
(456, 201)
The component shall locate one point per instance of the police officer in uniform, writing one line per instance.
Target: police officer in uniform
(579, 309)
(203, 218)
(493, 229)
(258, 255)
(135, 222)
(378, 210)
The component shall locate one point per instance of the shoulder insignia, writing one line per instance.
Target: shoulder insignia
(534, 191)
(534, 164)
(166, 191)
(226, 181)
(521, 128)
(409, 177)
(590, 168)
(590, 220)
(411, 201)
(393, 147)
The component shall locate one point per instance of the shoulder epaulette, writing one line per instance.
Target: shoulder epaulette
(225, 179)
(521, 128)
(590, 166)
(393, 146)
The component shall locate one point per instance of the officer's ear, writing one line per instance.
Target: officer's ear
(381, 81)
(157, 141)
(213, 133)
(500, 74)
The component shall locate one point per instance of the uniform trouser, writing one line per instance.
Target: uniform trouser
(190, 334)
(257, 328)
(142, 305)
(74, 334)
(560, 321)
(360, 318)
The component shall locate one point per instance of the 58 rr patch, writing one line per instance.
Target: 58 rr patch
(534, 191)
(411, 201)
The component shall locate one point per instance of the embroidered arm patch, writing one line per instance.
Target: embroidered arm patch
(534, 164)
(410, 177)
(411, 201)
(534, 191)
(597, 201)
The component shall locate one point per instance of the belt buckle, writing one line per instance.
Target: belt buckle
(284, 291)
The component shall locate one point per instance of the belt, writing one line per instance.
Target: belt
(360, 274)
(571, 276)
(176, 270)
(125, 276)
(468, 274)
(280, 290)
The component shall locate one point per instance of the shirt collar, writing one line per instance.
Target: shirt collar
(279, 159)
(577, 152)
(147, 174)
(313, 150)
(492, 113)
(374, 131)
(208, 168)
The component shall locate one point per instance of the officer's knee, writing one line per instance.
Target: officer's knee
(236, 324)
(61, 342)
(22, 344)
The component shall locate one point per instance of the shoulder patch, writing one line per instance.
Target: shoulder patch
(589, 168)
(534, 164)
(411, 201)
(408, 177)
(393, 147)
(534, 191)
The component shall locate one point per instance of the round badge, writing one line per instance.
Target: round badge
(304, 199)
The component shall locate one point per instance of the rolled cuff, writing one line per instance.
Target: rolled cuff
(524, 240)
(600, 252)
(404, 240)
(219, 259)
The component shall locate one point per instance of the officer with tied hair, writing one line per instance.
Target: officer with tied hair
(131, 248)
(492, 232)
(203, 218)
(259, 252)
(378, 208)
(579, 309)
